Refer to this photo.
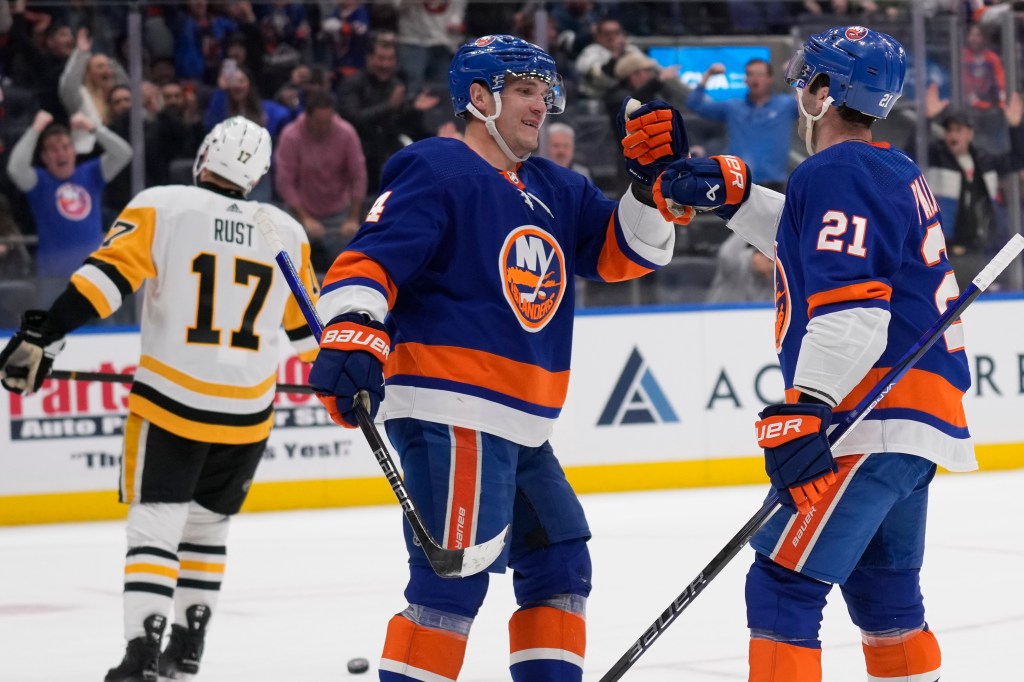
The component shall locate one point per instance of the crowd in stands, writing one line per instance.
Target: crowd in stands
(341, 85)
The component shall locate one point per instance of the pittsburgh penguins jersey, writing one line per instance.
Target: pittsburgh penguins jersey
(212, 308)
(860, 231)
(475, 267)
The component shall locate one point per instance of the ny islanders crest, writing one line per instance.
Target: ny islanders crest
(783, 304)
(532, 269)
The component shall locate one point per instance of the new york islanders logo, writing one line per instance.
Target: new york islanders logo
(783, 305)
(532, 269)
(73, 202)
(856, 33)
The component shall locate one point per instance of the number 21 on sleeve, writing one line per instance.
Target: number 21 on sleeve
(832, 236)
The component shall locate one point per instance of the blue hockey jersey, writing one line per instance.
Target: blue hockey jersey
(860, 228)
(473, 270)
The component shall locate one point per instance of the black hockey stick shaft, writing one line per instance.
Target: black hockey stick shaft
(447, 563)
(852, 418)
(116, 378)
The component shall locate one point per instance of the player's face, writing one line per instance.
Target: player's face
(523, 109)
(58, 156)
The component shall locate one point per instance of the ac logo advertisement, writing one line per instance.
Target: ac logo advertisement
(687, 385)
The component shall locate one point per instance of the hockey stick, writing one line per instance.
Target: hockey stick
(447, 563)
(836, 436)
(115, 378)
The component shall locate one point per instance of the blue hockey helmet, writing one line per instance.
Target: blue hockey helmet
(489, 59)
(866, 69)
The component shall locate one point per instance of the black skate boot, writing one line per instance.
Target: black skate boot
(141, 660)
(180, 660)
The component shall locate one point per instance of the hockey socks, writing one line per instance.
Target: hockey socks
(547, 645)
(772, 661)
(414, 651)
(907, 657)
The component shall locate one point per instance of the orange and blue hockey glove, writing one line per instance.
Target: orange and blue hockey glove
(353, 350)
(653, 136)
(797, 456)
(717, 183)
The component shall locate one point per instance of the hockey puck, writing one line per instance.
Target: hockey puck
(358, 666)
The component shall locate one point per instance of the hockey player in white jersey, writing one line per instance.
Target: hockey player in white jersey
(201, 407)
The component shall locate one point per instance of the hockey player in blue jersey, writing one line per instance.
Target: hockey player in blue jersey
(860, 272)
(463, 272)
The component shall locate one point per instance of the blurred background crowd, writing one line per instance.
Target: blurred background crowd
(102, 98)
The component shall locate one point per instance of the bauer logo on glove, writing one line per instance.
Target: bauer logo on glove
(718, 183)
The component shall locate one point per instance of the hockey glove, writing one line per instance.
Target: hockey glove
(719, 183)
(28, 358)
(353, 350)
(653, 136)
(797, 455)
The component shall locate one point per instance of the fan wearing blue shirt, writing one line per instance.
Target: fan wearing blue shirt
(760, 125)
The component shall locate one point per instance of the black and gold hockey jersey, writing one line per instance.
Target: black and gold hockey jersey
(212, 308)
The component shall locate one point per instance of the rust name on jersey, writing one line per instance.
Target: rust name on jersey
(232, 231)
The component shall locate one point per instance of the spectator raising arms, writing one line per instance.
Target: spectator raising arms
(85, 87)
(760, 125)
(65, 198)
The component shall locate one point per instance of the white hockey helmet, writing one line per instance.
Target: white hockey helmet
(237, 150)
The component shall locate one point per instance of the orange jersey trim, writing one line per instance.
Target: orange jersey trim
(613, 265)
(918, 390)
(354, 264)
(479, 368)
(862, 291)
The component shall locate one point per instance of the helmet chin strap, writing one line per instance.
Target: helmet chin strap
(809, 120)
(492, 129)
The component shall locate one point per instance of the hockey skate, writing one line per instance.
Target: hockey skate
(180, 660)
(141, 659)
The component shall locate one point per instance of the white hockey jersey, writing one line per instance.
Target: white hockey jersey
(212, 308)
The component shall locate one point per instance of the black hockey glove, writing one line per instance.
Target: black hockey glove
(27, 359)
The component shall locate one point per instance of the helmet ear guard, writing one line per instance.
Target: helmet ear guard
(237, 150)
(866, 69)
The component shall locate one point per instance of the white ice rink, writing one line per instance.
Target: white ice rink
(306, 591)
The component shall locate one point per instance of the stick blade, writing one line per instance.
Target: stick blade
(461, 563)
(476, 558)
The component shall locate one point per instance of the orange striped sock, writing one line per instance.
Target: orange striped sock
(546, 643)
(782, 662)
(412, 652)
(914, 659)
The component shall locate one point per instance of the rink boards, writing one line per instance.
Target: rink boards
(657, 399)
